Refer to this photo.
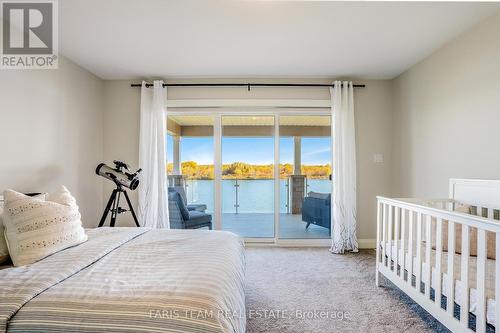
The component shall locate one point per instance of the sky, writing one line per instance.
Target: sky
(315, 151)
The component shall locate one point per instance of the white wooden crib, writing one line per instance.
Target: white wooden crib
(410, 235)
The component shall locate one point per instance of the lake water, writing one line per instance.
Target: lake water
(254, 196)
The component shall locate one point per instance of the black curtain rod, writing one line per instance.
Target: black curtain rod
(248, 85)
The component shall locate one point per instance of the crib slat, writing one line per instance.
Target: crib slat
(497, 279)
(384, 234)
(451, 266)
(428, 240)
(481, 281)
(403, 241)
(377, 248)
(464, 276)
(390, 235)
(479, 211)
(439, 251)
(418, 271)
(410, 247)
(481, 274)
(379, 230)
(396, 238)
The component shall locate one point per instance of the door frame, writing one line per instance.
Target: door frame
(276, 113)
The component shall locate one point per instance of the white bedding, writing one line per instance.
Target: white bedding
(131, 280)
(459, 286)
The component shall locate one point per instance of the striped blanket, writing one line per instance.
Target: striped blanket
(130, 280)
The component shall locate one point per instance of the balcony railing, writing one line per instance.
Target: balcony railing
(247, 195)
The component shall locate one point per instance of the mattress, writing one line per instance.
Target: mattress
(460, 291)
(131, 280)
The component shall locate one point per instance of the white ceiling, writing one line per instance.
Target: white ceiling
(125, 39)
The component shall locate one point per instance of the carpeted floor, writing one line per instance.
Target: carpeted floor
(311, 290)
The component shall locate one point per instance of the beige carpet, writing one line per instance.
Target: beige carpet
(336, 292)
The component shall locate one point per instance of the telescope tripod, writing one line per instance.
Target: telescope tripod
(113, 206)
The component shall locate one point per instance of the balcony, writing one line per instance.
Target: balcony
(245, 147)
(247, 207)
(261, 225)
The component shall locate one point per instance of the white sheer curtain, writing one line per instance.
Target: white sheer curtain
(153, 195)
(344, 169)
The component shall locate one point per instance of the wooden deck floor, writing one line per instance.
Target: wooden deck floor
(262, 225)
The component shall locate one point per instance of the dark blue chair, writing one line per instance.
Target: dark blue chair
(317, 209)
(182, 218)
(180, 189)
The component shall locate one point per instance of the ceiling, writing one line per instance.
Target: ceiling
(127, 39)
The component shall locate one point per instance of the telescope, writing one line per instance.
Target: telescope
(122, 177)
(120, 174)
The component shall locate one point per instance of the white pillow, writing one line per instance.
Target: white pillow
(4, 250)
(35, 228)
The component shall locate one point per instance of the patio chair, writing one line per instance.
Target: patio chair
(316, 209)
(182, 218)
(180, 189)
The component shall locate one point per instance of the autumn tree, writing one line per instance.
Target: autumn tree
(240, 170)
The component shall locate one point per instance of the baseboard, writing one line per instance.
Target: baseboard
(364, 243)
(290, 242)
(367, 243)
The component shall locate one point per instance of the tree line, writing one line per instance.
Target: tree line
(240, 170)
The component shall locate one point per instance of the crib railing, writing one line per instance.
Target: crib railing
(405, 230)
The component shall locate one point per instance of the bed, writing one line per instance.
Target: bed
(421, 241)
(130, 280)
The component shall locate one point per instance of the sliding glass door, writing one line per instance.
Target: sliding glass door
(248, 175)
(305, 177)
(264, 176)
(190, 156)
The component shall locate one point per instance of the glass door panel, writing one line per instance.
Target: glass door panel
(190, 156)
(305, 177)
(248, 175)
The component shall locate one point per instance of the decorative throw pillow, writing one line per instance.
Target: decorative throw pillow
(35, 229)
(4, 250)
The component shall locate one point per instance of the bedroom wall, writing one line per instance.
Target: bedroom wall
(373, 124)
(51, 133)
(447, 115)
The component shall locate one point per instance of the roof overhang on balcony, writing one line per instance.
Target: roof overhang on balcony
(249, 126)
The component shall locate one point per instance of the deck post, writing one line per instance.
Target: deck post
(297, 162)
(177, 155)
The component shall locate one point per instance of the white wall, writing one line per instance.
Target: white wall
(121, 134)
(373, 116)
(447, 115)
(51, 133)
(373, 123)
